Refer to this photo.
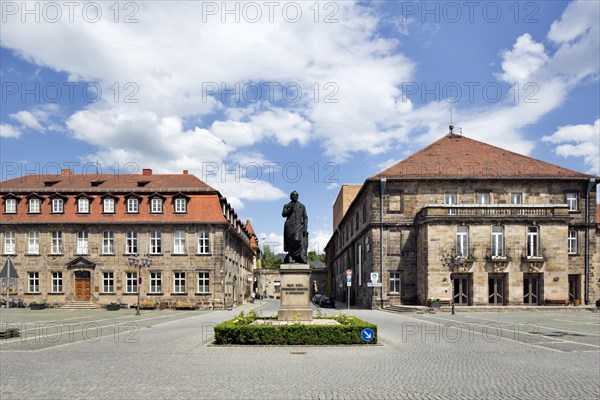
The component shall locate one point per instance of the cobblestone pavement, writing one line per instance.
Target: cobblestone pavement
(551, 355)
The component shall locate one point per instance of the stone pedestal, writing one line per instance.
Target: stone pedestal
(295, 293)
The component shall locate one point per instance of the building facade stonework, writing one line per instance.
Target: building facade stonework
(71, 237)
(523, 228)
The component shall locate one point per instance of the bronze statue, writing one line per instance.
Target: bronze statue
(295, 231)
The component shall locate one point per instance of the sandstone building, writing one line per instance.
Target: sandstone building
(70, 238)
(523, 227)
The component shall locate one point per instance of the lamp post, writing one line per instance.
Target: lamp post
(452, 261)
(139, 263)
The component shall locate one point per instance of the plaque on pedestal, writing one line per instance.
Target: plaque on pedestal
(295, 293)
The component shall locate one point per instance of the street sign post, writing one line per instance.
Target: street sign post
(374, 276)
(348, 285)
(367, 334)
(374, 284)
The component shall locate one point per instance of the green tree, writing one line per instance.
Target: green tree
(313, 256)
(268, 259)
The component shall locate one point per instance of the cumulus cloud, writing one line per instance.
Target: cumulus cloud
(579, 141)
(9, 131)
(27, 120)
(525, 58)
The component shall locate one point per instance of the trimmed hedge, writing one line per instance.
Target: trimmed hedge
(239, 331)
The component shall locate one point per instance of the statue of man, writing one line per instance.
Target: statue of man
(295, 231)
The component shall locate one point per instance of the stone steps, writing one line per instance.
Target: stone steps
(80, 305)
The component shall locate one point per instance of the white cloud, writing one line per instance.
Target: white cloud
(317, 240)
(273, 240)
(9, 131)
(387, 163)
(525, 58)
(27, 120)
(579, 141)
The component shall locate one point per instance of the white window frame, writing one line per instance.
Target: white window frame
(108, 282)
(395, 282)
(155, 242)
(35, 205)
(57, 282)
(462, 241)
(33, 282)
(33, 242)
(108, 242)
(10, 206)
(517, 196)
(10, 242)
(179, 242)
(131, 282)
(572, 242)
(203, 282)
(155, 281)
(83, 243)
(533, 242)
(131, 242)
(156, 205)
(58, 205)
(133, 205)
(203, 242)
(180, 205)
(451, 199)
(179, 282)
(83, 205)
(108, 205)
(483, 198)
(571, 200)
(57, 242)
(497, 242)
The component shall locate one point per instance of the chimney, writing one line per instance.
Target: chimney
(185, 172)
(66, 171)
(147, 171)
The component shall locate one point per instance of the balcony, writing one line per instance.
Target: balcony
(499, 262)
(535, 260)
(494, 211)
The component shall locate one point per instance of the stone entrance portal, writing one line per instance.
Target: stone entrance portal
(295, 293)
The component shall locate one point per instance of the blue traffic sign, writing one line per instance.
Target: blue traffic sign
(367, 334)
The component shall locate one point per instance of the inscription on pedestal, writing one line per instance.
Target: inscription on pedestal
(295, 293)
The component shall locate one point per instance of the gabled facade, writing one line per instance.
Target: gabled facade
(71, 236)
(522, 226)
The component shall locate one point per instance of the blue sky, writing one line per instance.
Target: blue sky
(260, 98)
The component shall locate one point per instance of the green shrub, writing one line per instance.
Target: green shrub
(239, 331)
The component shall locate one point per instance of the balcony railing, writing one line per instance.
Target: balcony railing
(495, 210)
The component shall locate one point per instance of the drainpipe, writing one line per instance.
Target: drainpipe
(587, 239)
(381, 191)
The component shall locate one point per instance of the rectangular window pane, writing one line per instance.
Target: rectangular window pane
(155, 242)
(203, 242)
(516, 198)
(57, 205)
(179, 282)
(10, 206)
(179, 242)
(572, 242)
(132, 205)
(108, 282)
(156, 205)
(82, 242)
(156, 282)
(131, 282)
(532, 242)
(483, 198)
(131, 242)
(34, 282)
(462, 241)
(10, 242)
(57, 286)
(33, 242)
(394, 282)
(203, 282)
(109, 205)
(108, 242)
(572, 201)
(83, 205)
(57, 243)
(34, 205)
(497, 241)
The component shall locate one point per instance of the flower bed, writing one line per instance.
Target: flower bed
(240, 330)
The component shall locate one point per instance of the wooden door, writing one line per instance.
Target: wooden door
(82, 289)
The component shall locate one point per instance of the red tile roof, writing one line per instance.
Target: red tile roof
(202, 208)
(68, 182)
(460, 157)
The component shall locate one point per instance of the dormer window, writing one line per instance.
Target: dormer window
(10, 206)
(142, 183)
(83, 205)
(156, 205)
(97, 183)
(35, 205)
(181, 205)
(58, 205)
(108, 205)
(50, 183)
(133, 205)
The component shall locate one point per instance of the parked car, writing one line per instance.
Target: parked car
(327, 301)
(316, 298)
